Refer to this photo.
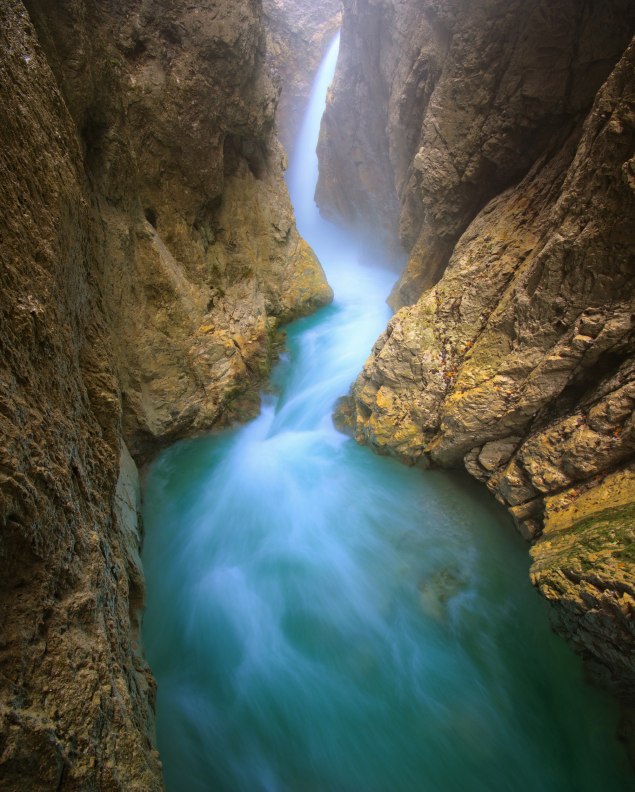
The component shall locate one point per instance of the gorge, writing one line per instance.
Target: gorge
(322, 618)
(150, 255)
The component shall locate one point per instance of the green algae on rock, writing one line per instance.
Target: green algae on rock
(583, 564)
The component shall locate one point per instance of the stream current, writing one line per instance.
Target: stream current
(321, 619)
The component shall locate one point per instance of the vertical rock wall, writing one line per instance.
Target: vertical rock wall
(509, 134)
(174, 110)
(440, 105)
(148, 253)
(76, 697)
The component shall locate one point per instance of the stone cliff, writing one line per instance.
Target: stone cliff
(502, 157)
(175, 110)
(148, 253)
(438, 106)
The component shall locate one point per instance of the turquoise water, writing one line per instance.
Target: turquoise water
(320, 619)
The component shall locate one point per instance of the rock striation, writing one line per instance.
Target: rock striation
(148, 254)
(504, 159)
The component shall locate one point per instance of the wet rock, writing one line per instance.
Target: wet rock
(437, 589)
(493, 455)
(194, 217)
(583, 565)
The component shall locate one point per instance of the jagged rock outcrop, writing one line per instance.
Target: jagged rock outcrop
(517, 354)
(298, 34)
(148, 252)
(175, 112)
(438, 106)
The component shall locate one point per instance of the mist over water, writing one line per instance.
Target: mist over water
(320, 619)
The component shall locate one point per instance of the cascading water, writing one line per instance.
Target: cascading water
(320, 618)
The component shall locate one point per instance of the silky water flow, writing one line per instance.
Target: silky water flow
(322, 619)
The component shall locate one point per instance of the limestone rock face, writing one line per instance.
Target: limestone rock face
(174, 109)
(518, 357)
(583, 565)
(75, 696)
(148, 253)
(298, 33)
(439, 105)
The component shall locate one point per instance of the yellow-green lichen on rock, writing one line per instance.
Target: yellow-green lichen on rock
(584, 564)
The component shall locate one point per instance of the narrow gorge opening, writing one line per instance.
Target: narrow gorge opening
(322, 618)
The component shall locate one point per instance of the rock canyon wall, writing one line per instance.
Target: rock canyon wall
(495, 141)
(148, 253)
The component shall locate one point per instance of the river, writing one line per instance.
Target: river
(321, 619)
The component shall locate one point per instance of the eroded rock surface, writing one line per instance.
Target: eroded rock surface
(439, 105)
(148, 253)
(583, 565)
(175, 111)
(514, 191)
